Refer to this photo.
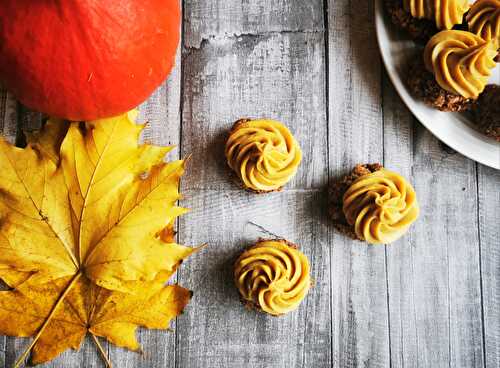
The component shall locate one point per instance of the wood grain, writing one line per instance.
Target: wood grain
(489, 235)
(359, 294)
(8, 115)
(399, 130)
(275, 76)
(447, 257)
(434, 279)
(29, 120)
(235, 69)
(205, 20)
(217, 331)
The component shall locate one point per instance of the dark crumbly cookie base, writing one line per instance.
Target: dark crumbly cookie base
(486, 111)
(422, 84)
(238, 123)
(250, 304)
(420, 30)
(234, 175)
(336, 195)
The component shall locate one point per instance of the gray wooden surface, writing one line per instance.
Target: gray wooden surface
(432, 299)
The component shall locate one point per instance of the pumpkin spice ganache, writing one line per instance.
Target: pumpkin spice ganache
(263, 153)
(483, 19)
(460, 61)
(272, 276)
(445, 13)
(373, 204)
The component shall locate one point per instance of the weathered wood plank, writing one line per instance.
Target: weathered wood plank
(88, 356)
(8, 115)
(272, 75)
(399, 129)
(434, 293)
(489, 235)
(433, 272)
(398, 156)
(359, 295)
(29, 120)
(275, 76)
(217, 331)
(446, 257)
(162, 112)
(221, 18)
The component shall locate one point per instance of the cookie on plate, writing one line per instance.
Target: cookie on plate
(423, 86)
(457, 66)
(424, 18)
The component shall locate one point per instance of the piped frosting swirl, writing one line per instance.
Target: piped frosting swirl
(273, 276)
(445, 13)
(263, 153)
(460, 61)
(380, 206)
(484, 19)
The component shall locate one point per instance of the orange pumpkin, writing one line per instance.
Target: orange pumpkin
(86, 59)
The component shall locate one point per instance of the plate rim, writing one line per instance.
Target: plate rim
(408, 100)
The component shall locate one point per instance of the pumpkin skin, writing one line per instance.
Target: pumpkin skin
(86, 59)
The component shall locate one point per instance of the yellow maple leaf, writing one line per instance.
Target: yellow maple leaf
(85, 210)
(86, 308)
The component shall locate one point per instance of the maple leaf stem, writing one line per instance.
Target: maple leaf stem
(104, 356)
(59, 301)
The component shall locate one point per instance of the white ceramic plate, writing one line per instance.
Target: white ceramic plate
(454, 129)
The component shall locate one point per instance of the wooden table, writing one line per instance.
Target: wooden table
(429, 300)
